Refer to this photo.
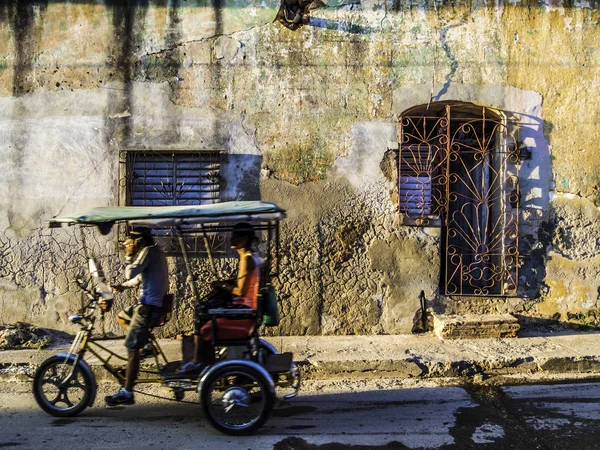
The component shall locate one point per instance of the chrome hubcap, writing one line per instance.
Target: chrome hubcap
(235, 396)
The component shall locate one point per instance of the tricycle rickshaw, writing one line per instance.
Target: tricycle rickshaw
(237, 392)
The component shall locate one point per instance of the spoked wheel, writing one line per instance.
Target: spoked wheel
(61, 390)
(237, 399)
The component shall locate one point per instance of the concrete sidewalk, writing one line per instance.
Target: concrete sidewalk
(550, 356)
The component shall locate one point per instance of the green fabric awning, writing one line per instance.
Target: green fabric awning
(176, 215)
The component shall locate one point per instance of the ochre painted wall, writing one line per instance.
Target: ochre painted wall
(315, 109)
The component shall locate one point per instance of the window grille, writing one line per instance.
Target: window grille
(164, 179)
(167, 178)
(458, 170)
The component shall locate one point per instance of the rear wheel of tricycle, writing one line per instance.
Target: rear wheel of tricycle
(61, 389)
(237, 399)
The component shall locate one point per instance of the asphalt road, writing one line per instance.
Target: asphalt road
(332, 415)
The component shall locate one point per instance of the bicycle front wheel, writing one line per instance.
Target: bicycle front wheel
(61, 389)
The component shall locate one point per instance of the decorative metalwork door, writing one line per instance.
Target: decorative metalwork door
(458, 170)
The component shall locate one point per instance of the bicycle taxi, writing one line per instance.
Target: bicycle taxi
(238, 390)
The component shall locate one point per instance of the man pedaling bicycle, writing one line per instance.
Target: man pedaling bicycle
(148, 269)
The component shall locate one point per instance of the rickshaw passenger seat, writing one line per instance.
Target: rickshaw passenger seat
(230, 328)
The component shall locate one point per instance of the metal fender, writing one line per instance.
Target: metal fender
(268, 346)
(236, 362)
(86, 368)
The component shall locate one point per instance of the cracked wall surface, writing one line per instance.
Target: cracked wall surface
(306, 117)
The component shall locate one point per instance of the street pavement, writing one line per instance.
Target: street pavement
(359, 415)
(534, 357)
(537, 391)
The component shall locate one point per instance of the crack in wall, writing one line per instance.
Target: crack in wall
(212, 37)
(448, 51)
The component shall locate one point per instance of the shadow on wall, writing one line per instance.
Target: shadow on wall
(536, 228)
(242, 177)
(124, 20)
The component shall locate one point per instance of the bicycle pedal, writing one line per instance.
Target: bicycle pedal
(146, 355)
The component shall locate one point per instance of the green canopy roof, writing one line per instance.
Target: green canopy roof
(176, 215)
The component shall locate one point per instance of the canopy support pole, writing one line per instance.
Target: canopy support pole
(88, 255)
(186, 261)
(277, 240)
(209, 252)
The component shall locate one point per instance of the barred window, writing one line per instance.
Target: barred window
(173, 178)
(167, 178)
(422, 172)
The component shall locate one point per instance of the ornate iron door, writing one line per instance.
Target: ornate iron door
(458, 169)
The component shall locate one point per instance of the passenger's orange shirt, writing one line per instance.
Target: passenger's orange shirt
(246, 291)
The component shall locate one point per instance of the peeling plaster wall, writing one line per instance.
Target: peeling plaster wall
(80, 82)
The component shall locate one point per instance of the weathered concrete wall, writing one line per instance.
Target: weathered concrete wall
(314, 109)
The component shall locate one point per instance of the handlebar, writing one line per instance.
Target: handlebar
(84, 287)
(86, 312)
(102, 294)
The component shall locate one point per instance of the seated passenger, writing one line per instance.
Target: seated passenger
(243, 292)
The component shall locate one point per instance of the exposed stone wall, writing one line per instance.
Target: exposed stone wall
(571, 289)
(306, 117)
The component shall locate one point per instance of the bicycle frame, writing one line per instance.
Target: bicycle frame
(84, 342)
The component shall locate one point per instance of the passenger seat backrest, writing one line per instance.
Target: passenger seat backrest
(262, 289)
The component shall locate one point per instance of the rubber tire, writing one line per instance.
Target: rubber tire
(264, 386)
(61, 412)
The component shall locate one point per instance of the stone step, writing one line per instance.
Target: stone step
(475, 326)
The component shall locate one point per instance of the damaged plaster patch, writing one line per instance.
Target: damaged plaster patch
(572, 291)
(369, 143)
(408, 267)
(577, 228)
(325, 282)
(226, 48)
(299, 163)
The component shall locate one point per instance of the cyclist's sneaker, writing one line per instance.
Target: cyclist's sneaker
(120, 398)
(146, 351)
